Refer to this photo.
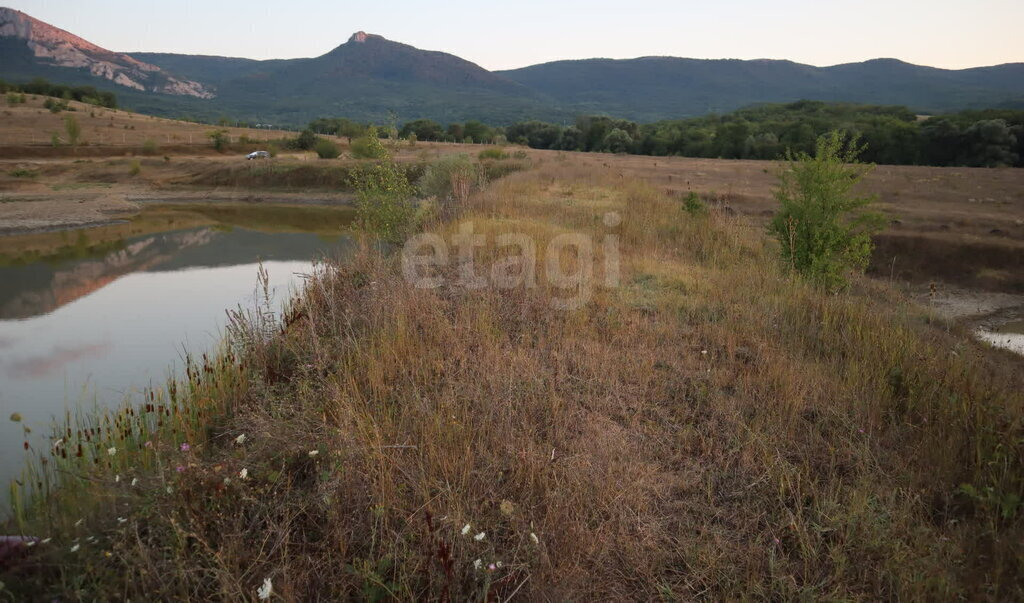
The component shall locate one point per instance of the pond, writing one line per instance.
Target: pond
(93, 316)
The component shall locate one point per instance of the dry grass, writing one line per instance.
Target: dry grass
(30, 124)
(711, 429)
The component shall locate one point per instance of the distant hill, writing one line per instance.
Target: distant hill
(368, 77)
(652, 88)
(371, 78)
(33, 48)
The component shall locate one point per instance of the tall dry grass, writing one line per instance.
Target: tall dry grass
(710, 429)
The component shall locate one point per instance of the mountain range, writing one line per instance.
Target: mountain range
(372, 78)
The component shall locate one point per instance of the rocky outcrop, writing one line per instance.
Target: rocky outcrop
(63, 49)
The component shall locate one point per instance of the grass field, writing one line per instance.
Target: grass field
(705, 426)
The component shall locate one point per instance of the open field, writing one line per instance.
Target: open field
(27, 129)
(708, 427)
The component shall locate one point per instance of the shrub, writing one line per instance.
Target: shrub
(220, 139)
(693, 205)
(23, 173)
(73, 129)
(325, 149)
(136, 167)
(149, 147)
(369, 146)
(55, 139)
(494, 153)
(450, 179)
(13, 98)
(384, 204)
(306, 141)
(821, 226)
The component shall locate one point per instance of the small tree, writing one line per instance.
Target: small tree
(821, 225)
(220, 139)
(369, 146)
(72, 129)
(306, 141)
(384, 204)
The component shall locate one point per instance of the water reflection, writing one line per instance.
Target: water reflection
(95, 318)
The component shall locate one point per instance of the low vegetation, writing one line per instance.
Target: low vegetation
(85, 94)
(667, 438)
(821, 227)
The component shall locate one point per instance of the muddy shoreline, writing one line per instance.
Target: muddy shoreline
(42, 215)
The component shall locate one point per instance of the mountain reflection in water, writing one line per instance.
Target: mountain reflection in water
(92, 317)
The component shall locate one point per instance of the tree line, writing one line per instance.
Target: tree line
(891, 134)
(83, 94)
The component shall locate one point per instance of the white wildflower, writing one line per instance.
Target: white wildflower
(534, 539)
(240, 439)
(74, 549)
(465, 529)
(478, 564)
(313, 453)
(480, 536)
(30, 543)
(227, 480)
(244, 473)
(58, 442)
(122, 520)
(117, 478)
(112, 451)
(266, 590)
(79, 522)
(170, 490)
(135, 481)
(46, 540)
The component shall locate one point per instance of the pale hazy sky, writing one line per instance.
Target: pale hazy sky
(945, 33)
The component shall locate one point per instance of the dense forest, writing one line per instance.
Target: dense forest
(891, 134)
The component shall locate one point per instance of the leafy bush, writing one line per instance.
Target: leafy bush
(369, 146)
(325, 149)
(492, 170)
(220, 139)
(56, 106)
(149, 147)
(450, 179)
(306, 141)
(384, 203)
(494, 153)
(821, 226)
(693, 205)
(136, 167)
(13, 98)
(23, 173)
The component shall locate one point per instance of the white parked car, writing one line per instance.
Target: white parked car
(258, 155)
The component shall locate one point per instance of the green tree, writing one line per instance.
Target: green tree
(989, 143)
(384, 204)
(617, 141)
(478, 131)
(219, 138)
(822, 226)
(306, 141)
(369, 146)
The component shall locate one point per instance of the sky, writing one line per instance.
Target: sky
(506, 35)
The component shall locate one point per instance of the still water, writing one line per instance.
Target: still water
(93, 316)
